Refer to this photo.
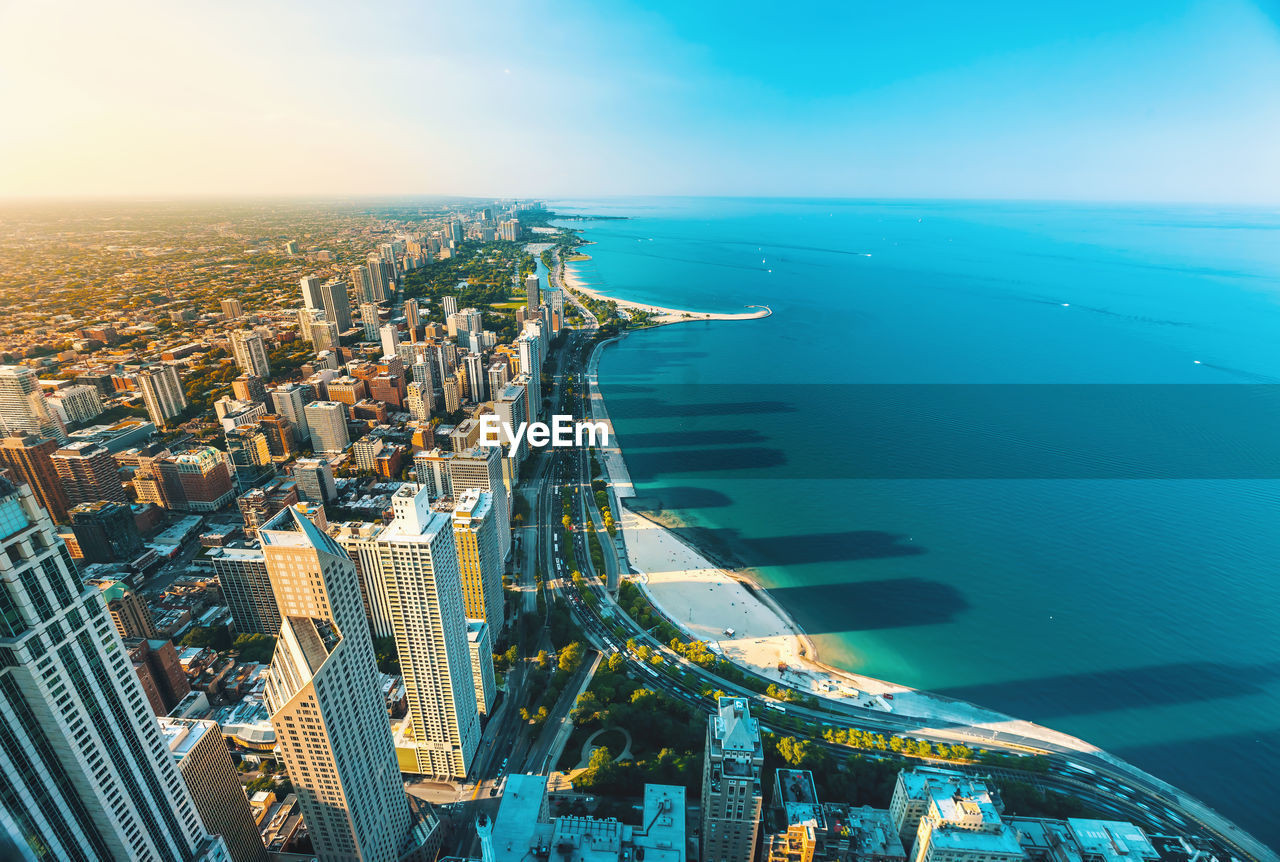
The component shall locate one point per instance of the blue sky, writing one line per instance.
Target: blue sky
(1105, 101)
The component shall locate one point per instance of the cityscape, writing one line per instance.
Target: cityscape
(639, 435)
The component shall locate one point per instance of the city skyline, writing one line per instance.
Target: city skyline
(1150, 101)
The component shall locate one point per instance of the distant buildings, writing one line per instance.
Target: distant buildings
(731, 783)
(326, 703)
(201, 755)
(259, 505)
(162, 393)
(23, 406)
(76, 405)
(128, 611)
(232, 309)
(155, 661)
(85, 771)
(290, 401)
(315, 481)
(196, 480)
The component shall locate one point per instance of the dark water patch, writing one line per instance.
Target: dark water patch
(872, 605)
(1124, 688)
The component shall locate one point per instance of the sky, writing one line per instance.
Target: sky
(1132, 101)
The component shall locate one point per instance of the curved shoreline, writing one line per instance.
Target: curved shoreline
(663, 315)
(646, 540)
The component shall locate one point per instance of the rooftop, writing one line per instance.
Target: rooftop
(182, 734)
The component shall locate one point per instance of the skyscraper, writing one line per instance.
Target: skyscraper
(88, 473)
(412, 318)
(529, 343)
(250, 351)
(390, 339)
(22, 404)
(201, 754)
(337, 303)
(418, 562)
(242, 576)
(325, 698)
(29, 456)
(731, 788)
(232, 309)
(533, 292)
(449, 304)
(328, 423)
(369, 320)
(379, 278)
(84, 771)
(290, 401)
(480, 646)
(312, 297)
(481, 467)
(162, 393)
(315, 480)
(475, 537)
(477, 380)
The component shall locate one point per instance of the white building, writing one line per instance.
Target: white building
(75, 404)
(23, 406)
(86, 773)
(390, 337)
(365, 451)
(328, 423)
(325, 697)
(419, 565)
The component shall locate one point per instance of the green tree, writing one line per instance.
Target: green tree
(255, 647)
(571, 657)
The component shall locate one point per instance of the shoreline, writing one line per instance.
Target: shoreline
(572, 281)
(676, 572)
(705, 599)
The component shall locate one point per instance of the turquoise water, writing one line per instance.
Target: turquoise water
(1061, 584)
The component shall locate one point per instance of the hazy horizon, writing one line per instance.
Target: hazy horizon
(1153, 102)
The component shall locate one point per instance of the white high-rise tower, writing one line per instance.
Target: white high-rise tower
(22, 404)
(419, 565)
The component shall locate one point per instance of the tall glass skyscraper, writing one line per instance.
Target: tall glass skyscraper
(84, 771)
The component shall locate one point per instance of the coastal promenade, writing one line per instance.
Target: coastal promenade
(713, 604)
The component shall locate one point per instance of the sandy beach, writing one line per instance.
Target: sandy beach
(725, 608)
(574, 282)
